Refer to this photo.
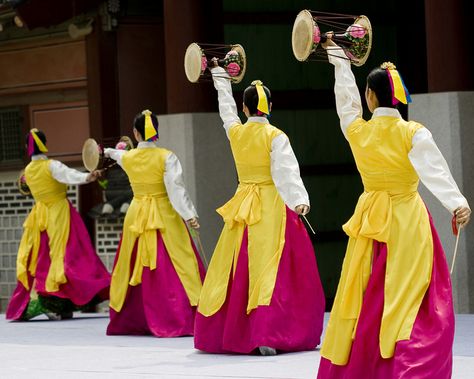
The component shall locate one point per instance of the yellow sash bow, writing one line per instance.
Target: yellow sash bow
(244, 207)
(370, 221)
(145, 225)
(259, 208)
(35, 223)
(146, 215)
(381, 217)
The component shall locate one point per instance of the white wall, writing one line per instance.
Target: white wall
(201, 145)
(450, 118)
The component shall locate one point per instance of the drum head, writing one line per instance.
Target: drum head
(302, 35)
(22, 185)
(360, 50)
(90, 155)
(243, 60)
(192, 62)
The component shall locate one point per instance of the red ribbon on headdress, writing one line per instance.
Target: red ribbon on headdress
(34, 139)
(31, 145)
(399, 90)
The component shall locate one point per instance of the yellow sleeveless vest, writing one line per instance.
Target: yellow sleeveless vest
(149, 211)
(390, 210)
(50, 213)
(257, 206)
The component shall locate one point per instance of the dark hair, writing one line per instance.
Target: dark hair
(41, 136)
(379, 82)
(251, 98)
(139, 123)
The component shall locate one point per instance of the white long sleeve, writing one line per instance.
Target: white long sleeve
(66, 175)
(115, 154)
(348, 102)
(434, 172)
(286, 173)
(174, 183)
(227, 106)
(61, 172)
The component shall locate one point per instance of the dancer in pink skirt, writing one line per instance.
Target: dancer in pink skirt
(157, 277)
(393, 313)
(58, 270)
(262, 291)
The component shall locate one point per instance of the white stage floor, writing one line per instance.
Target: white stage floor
(79, 348)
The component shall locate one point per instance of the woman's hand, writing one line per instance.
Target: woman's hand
(93, 176)
(214, 62)
(463, 215)
(193, 223)
(329, 42)
(107, 152)
(302, 209)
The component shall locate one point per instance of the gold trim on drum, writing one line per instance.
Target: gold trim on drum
(198, 57)
(365, 23)
(193, 62)
(240, 50)
(302, 35)
(90, 154)
(22, 185)
(353, 35)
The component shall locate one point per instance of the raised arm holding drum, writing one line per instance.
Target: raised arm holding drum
(264, 246)
(393, 311)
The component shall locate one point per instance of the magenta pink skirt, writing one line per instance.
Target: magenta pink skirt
(159, 305)
(294, 319)
(86, 275)
(428, 352)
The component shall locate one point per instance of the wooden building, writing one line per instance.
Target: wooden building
(84, 68)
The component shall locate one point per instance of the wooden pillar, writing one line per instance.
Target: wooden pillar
(102, 83)
(103, 103)
(185, 22)
(448, 46)
(141, 69)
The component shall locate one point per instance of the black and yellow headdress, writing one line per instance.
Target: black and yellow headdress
(262, 105)
(33, 140)
(151, 130)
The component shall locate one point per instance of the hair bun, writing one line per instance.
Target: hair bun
(388, 66)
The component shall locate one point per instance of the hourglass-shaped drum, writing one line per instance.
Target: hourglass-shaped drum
(353, 34)
(198, 58)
